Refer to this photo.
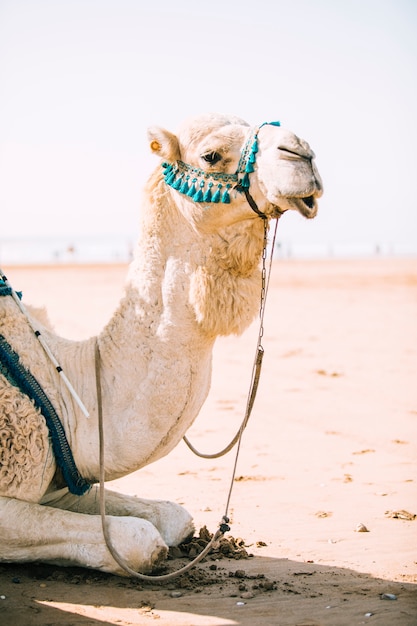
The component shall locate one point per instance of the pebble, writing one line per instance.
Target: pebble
(388, 596)
(361, 528)
(175, 594)
(240, 604)
(368, 614)
(2, 597)
(247, 595)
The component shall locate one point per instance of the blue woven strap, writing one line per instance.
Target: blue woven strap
(19, 376)
(7, 291)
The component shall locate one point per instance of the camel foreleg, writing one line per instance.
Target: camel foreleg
(34, 532)
(172, 521)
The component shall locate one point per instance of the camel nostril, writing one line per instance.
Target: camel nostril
(292, 153)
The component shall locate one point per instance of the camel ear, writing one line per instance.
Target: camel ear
(163, 143)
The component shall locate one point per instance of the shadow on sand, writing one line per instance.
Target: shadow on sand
(271, 592)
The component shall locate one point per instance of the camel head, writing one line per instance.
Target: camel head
(218, 160)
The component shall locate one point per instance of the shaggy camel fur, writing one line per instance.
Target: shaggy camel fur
(195, 276)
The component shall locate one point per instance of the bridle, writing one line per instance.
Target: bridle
(198, 184)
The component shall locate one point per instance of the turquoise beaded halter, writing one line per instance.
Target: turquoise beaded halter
(202, 186)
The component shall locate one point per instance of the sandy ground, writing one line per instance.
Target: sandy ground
(331, 444)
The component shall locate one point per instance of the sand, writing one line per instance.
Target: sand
(331, 445)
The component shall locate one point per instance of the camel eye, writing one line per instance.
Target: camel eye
(211, 157)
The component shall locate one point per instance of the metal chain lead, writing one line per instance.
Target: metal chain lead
(256, 369)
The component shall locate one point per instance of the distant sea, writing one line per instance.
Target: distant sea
(64, 250)
(120, 248)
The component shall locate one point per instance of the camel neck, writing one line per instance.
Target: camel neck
(184, 289)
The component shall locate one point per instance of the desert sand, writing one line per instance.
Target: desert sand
(330, 448)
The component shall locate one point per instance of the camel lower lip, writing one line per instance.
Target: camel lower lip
(306, 206)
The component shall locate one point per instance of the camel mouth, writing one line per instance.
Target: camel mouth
(309, 201)
(307, 206)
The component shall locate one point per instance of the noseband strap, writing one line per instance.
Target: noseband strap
(251, 201)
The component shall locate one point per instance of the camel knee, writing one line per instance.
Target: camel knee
(176, 523)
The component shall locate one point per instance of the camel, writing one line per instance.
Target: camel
(195, 276)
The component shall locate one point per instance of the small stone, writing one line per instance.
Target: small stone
(240, 573)
(43, 585)
(175, 594)
(16, 580)
(368, 614)
(240, 604)
(388, 596)
(146, 608)
(247, 595)
(2, 597)
(361, 528)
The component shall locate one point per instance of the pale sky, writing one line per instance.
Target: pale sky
(81, 80)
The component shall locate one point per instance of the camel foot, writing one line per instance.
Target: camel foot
(138, 543)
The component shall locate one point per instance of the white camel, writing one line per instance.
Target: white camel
(195, 276)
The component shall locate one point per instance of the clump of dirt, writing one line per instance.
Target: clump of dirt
(226, 547)
(233, 583)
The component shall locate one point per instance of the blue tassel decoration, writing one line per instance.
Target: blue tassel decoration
(168, 168)
(192, 189)
(249, 168)
(245, 181)
(199, 195)
(171, 177)
(184, 187)
(178, 183)
(216, 196)
(226, 196)
(207, 194)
